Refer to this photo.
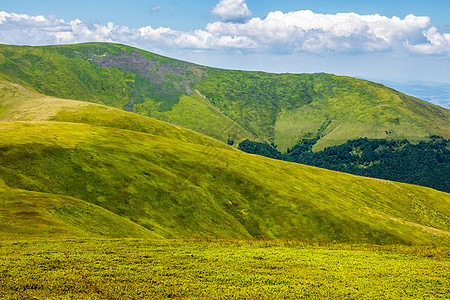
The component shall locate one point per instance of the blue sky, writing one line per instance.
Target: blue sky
(193, 14)
(385, 40)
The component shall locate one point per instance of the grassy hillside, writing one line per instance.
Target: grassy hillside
(178, 189)
(426, 163)
(20, 104)
(121, 77)
(225, 104)
(283, 108)
(25, 215)
(159, 180)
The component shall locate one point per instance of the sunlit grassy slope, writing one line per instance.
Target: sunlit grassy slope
(121, 77)
(224, 104)
(158, 180)
(25, 214)
(176, 183)
(284, 108)
(20, 104)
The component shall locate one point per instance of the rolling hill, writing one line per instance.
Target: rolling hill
(224, 104)
(84, 169)
(25, 214)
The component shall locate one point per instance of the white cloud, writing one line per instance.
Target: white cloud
(12, 17)
(155, 8)
(154, 34)
(232, 11)
(437, 43)
(308, 31)
(278, 32)
(36, 30)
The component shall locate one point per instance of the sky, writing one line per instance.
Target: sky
(393, 40)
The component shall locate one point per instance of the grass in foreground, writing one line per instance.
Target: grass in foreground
(124, 269)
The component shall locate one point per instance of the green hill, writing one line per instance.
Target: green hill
(21, 104)
(162, 180)
(25, 215)
(284, 108)
(224, 104)
(84, 169)
(179, 189)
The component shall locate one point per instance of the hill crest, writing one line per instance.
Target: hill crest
(161, 180)
(238, 105)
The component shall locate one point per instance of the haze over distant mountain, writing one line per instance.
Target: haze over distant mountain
(433, 92)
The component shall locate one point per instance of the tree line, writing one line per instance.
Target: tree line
(426, 163)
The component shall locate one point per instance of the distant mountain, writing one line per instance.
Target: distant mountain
(76, 169)
(225, 104)
(436, 93)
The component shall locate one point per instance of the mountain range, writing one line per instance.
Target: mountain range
(225, 104)
(105, 140)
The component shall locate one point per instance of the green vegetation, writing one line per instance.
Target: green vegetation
(212, 122)
(54, 74)
(283, 108)
(115, 75)
(25, 214)
(178, 189)
(217, 269)
(236, 105)
(425, 163)
(20, 104)
(173, 182)
(122, 77)
(254, 99)
(263, 149)
(90, 194)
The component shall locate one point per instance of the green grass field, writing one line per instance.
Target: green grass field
(21, 104)
(219, 269)
(28, 214)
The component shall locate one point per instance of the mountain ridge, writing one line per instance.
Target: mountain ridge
(267, 107)
(163, 181)
(177, 183)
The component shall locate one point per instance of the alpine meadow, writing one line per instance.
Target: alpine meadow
(122, 177)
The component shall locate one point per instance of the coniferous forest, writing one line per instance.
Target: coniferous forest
(425, 163)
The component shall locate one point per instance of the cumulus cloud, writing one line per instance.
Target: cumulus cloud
(38, 30)
(35, 30)
(232, 11)
(308, 31)
(437, 43)
(278, 32)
